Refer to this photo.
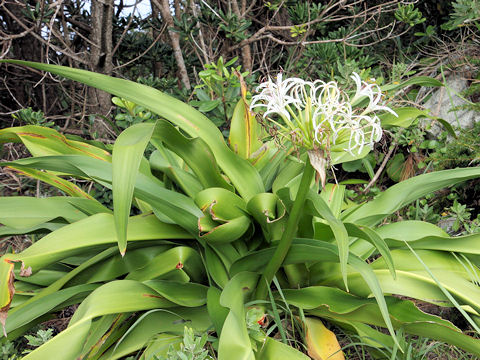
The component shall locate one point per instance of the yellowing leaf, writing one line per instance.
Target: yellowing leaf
(322, 344)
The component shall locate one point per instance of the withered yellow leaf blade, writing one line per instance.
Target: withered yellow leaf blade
(322, 344)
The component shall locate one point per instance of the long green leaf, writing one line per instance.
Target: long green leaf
(127, 154)
(244, 137)
(334, 304)
(114, 297)
(43, 141)
(234, 328)
(168, 205)
(275, 350)
(309, 250)
(407, 191)
(54, 180)
(48, 303)
(195, 152)
(21, 212)
(242, 174)
(180, 259)
(159, 321)
(317, 205)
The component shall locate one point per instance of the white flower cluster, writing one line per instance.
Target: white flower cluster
(318, 114)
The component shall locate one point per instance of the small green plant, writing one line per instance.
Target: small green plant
(8, 351)
(409, 15)
(37, 13)
(29, 117)
(423, 210)
(461, 214)
(233, 27)
(219, 90)
(297, 30)
(40, 338)
(304, 11)
(400, 70)
(465, 13)
(191, 348)
(463, 151)
(130, 113)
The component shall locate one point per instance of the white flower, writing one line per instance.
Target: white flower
(364, 130)
(374, 94)
(275, 96)
(318, 114)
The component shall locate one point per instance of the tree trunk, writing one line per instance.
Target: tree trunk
(164, 8)
(246, 51)
(157, 65)
(101, 57)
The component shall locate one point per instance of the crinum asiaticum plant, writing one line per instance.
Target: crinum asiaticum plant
(211, 218)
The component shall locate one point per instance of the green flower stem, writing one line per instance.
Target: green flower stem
(290, 230)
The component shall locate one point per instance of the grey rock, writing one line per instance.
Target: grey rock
(447, 224)
(443, 102)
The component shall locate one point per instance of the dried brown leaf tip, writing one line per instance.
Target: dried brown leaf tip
(25, 272)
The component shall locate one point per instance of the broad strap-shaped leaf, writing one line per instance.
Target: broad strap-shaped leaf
(41, 228)
(181, 259)
(217, 312)
(159, 321)
(94, 231)
(127, 154)
(234, 295)
(317, 206)
(168, 205)
(116, 266)
(240, 172)
(415, 80)
(405, 117)
(37, 309)
(20, 212)
(184, 294)
(401, 194)
(112, 298)
(195, 152)
(334, 195)
(337, 305)
(310, 250)
(184, 179)
(43, 141)
(374, 238)
(275, 350)
(269, 163)
(54, 180)
(244, 131)
(423, 235)
(216, 267)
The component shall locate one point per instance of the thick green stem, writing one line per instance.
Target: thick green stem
(286, 241)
